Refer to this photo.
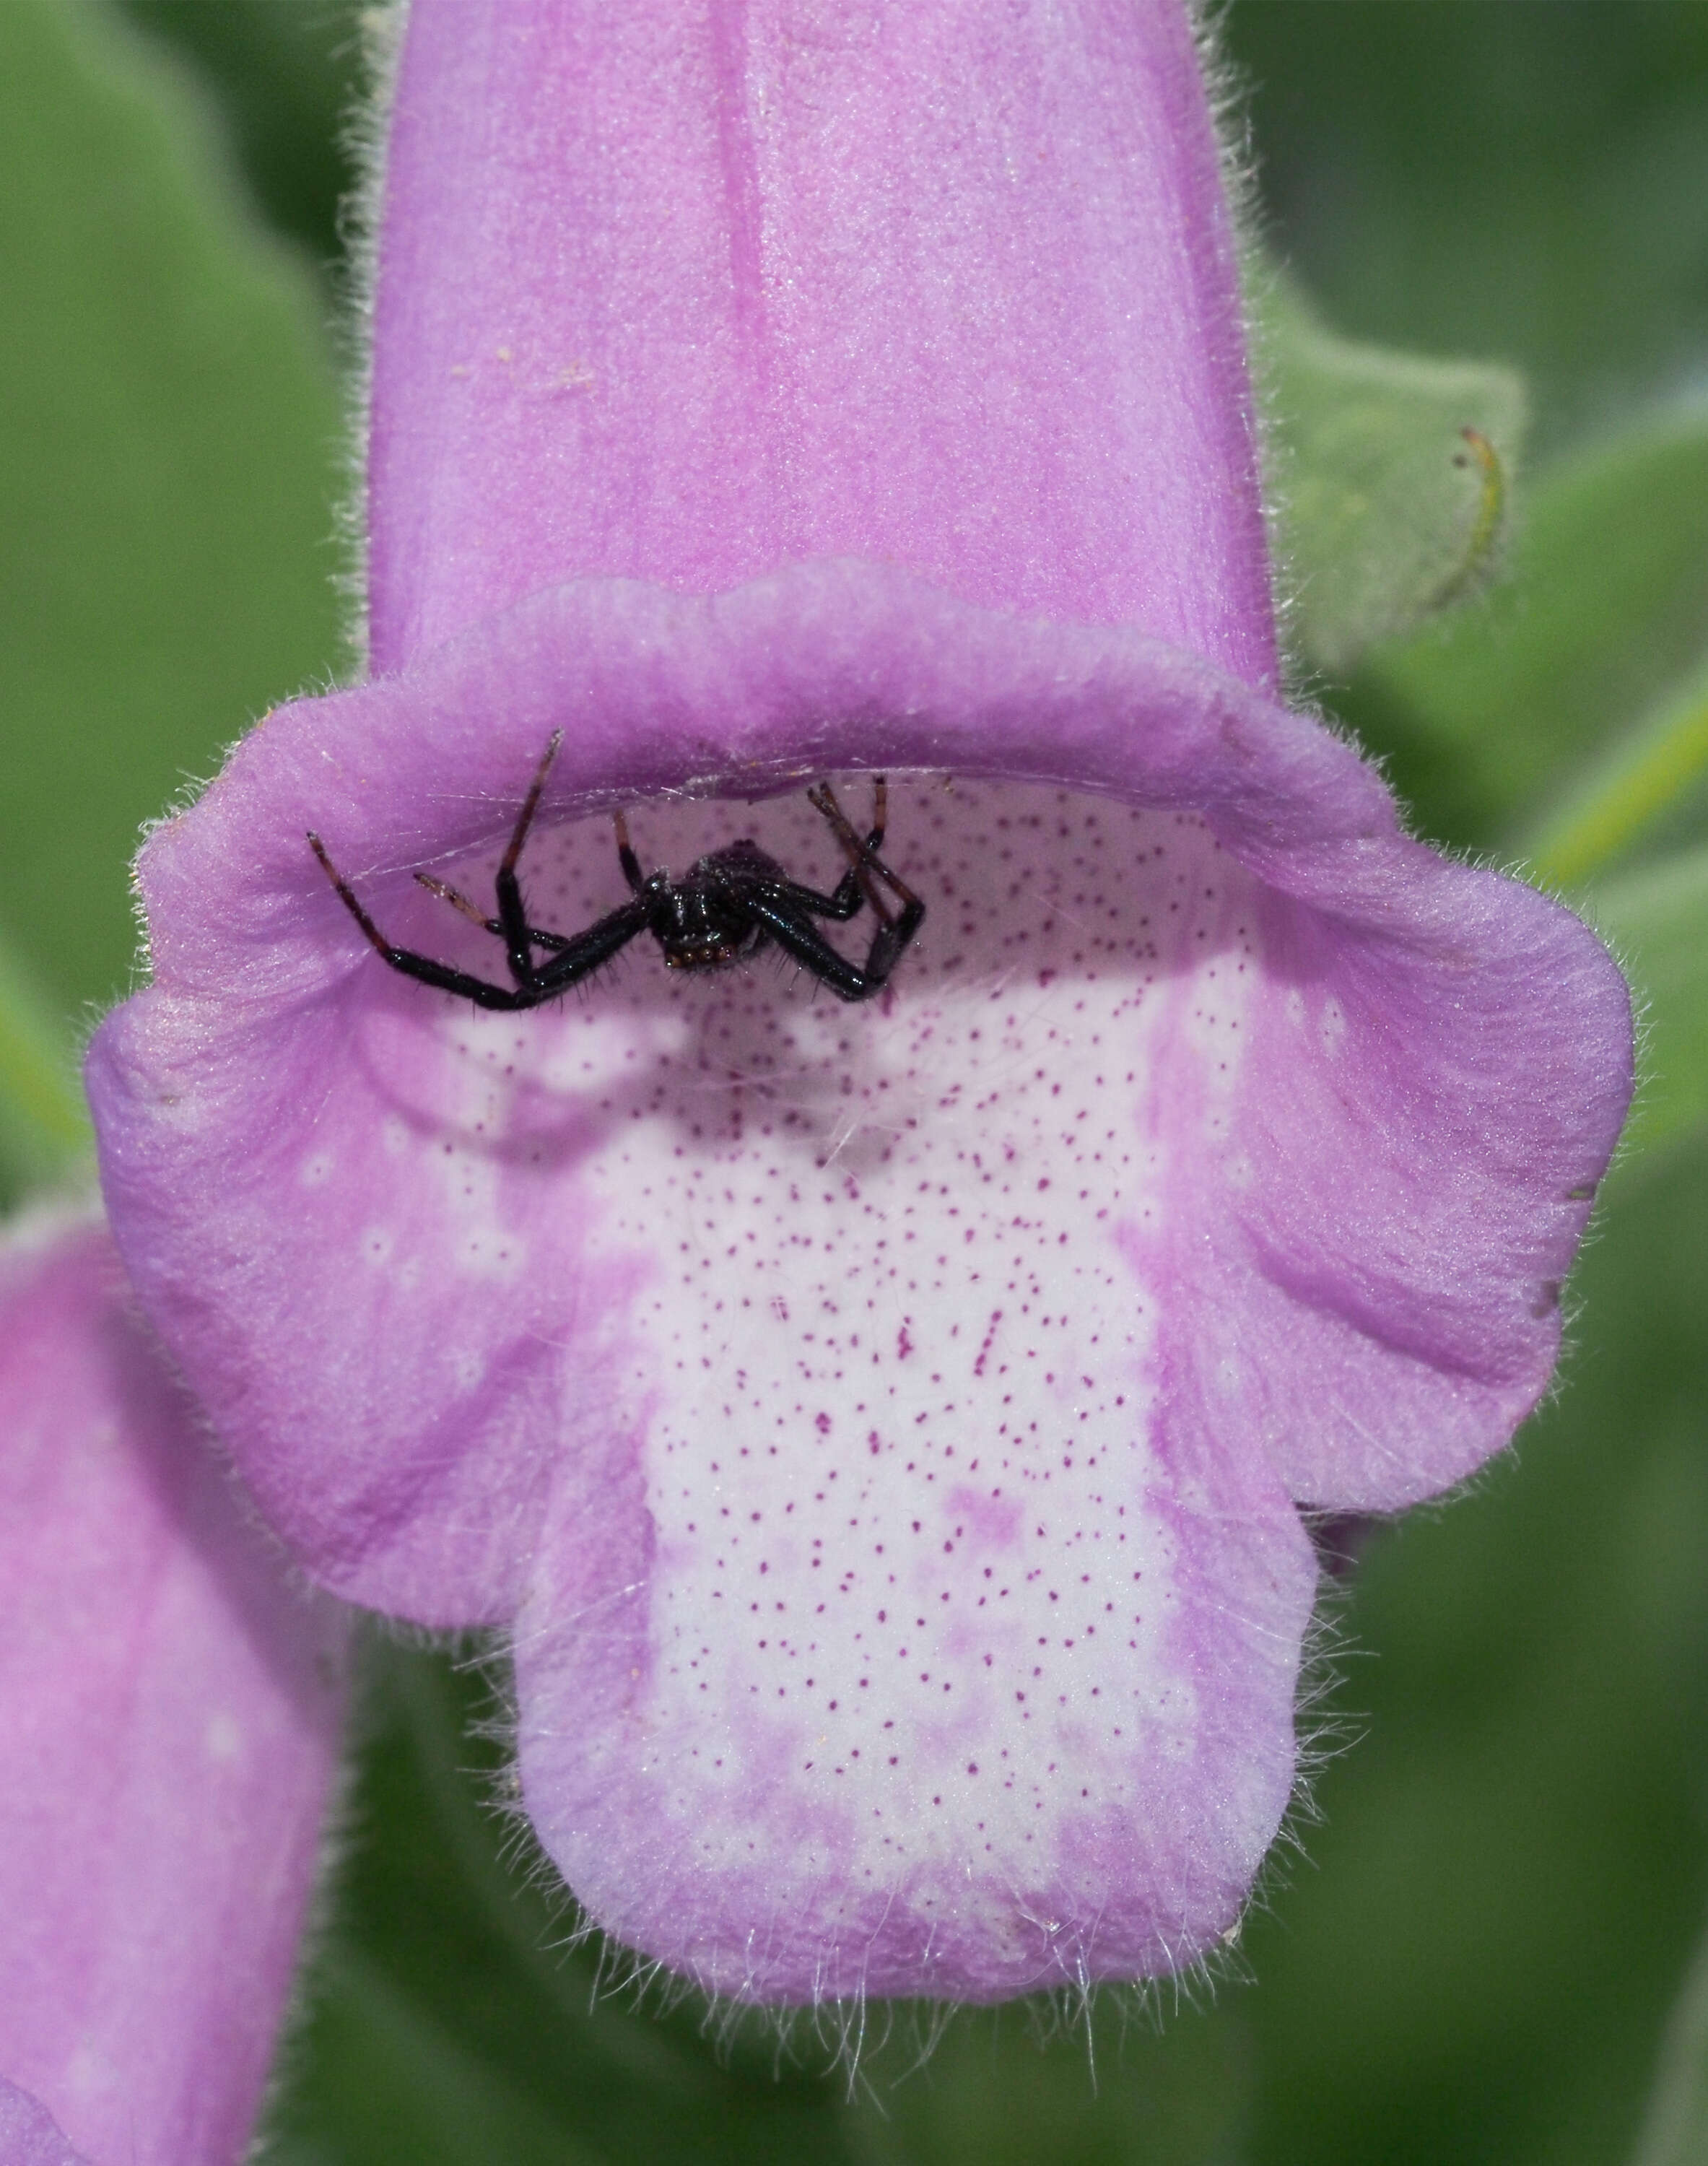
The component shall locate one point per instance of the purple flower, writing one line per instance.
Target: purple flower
(879, 1427)
(169, 1721)
(28, 2136)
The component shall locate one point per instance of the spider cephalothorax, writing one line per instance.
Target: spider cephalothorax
(725, 908)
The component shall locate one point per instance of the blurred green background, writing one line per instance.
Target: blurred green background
(1478, 1950)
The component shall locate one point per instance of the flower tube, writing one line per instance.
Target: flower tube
(170, 1715)
(881, 1427)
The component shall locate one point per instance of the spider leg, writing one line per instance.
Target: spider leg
(843, 904)
(867, 868)
(513, 920)
(420, 967)
(893, 938)
(579, 955)
(625, 854)
(850, 890)
(471, 910)
(795, 933)
(458, 901)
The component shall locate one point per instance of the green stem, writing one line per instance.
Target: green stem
(1652, 774)
(1677, 2124)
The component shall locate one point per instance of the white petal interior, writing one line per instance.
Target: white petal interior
(891, 1363)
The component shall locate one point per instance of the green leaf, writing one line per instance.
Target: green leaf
(1007, 2087)
(1394, 479)
(168, 468)
(1529, 182)
(1657, 919)
(285, 74)
(410, 2089)
(1510, 1870)
(1494, 722)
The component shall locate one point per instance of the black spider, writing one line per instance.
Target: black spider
(725, 909)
